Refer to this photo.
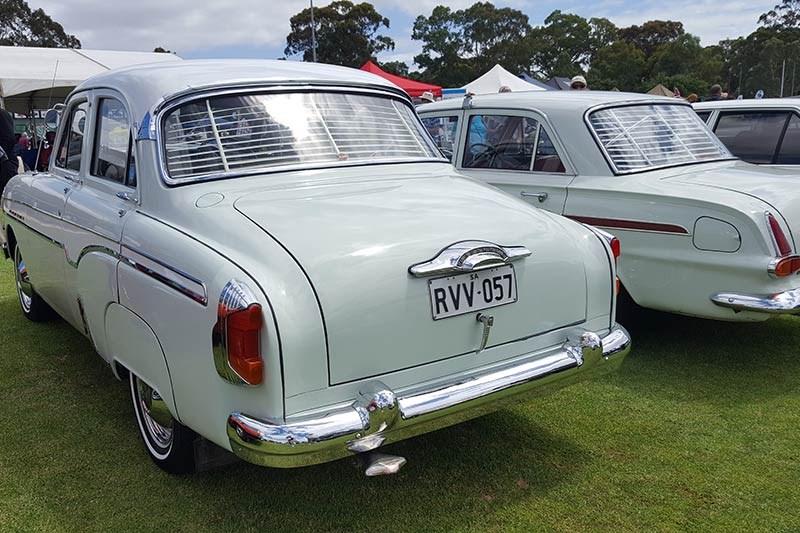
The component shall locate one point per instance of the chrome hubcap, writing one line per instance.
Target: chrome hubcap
(24, 287)
(156, 418)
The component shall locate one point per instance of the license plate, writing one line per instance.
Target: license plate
(465, 293)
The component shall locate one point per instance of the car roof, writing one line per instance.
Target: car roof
(550, 100)
(147, 85)
(752, 102)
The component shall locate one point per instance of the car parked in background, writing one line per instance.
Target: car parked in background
(704, 234)
(763, 132)
(285, 265)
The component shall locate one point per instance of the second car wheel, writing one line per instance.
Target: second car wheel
(169, 443)
(33, 307)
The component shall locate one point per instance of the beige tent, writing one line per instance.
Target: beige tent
(36, 78)
(660, 90)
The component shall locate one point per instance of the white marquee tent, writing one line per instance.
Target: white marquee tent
(36, 78)
(498, 77)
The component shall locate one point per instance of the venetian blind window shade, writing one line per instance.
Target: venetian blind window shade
(650, 136)
(229, 134)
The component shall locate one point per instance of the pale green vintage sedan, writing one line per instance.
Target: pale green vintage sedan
(704, 234)
(280, 261)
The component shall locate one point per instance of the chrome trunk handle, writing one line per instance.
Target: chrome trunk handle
(468, 256)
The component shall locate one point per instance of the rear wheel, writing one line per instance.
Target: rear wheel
(33, 307)
(169, 443)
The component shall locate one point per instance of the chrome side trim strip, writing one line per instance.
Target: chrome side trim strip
(782, 303)
(468, 256)
(171, 276)
(379, 416)
(21, 220)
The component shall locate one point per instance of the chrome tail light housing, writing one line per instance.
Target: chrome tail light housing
(236, 335)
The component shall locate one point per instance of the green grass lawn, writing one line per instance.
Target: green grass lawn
(698, 431)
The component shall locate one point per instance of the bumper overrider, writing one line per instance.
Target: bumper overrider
(785, 303)
(379, 416)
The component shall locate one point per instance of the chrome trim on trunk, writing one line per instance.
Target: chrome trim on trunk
(468, 256)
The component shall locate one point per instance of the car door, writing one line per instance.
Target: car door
(98, 207)
(44, 258)
(516, 152)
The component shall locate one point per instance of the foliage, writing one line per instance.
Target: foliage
(559, 48)
(161, 50)
(458, 46)
(784, 15)
(21, 26)
(398, 68)
(652, 34)
(346, 33)
(618, 66)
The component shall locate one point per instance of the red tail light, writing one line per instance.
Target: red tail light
(781, 242)
(615, 248)
(244, 354)
(785, 266)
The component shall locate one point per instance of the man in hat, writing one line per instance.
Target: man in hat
(578, 83)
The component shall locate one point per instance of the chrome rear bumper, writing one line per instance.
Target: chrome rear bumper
(379, 416)
(786, 303)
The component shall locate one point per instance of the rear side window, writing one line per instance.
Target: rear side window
(641, 137)
(703, 115)
(752, 136)
(443, 130)
(112, 141)
(509, 143)
(69, 152)
(789, 153)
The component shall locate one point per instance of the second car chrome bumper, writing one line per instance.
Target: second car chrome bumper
(379, 416)
(787, 302)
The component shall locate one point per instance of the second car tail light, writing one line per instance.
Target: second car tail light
(236, 338)
(785, 266)
(778, 237)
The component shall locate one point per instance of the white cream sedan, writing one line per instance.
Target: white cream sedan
(704, 234)
(284, 265)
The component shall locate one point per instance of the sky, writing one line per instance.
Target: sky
(258, 28)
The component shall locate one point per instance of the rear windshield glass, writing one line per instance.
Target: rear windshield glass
(641, 137)
(235, 133)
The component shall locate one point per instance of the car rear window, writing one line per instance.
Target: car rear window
(226, 135)
(642, 137)
(752, 136)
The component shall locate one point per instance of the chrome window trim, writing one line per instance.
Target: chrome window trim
(635, 103)
(74, 102)
(162, 109)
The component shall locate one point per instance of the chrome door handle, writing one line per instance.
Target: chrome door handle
(73, 180)
(128, 197)
(541, 196)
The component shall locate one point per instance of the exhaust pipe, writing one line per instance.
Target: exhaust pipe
(380, 464)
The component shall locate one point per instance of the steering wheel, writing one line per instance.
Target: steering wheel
(483, 158)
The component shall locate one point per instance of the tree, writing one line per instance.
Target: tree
(618, 66)
(784, 15)
(161, 50)
(458, 46)
(398, 68)
(603, 33)
(560, 48)
(20, 26)
(347, 33)
(652, 34)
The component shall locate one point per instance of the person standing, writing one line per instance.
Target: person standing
(8, 163)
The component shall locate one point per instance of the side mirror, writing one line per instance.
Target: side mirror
(52, 118)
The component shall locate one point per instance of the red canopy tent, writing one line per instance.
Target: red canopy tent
(413, 88)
